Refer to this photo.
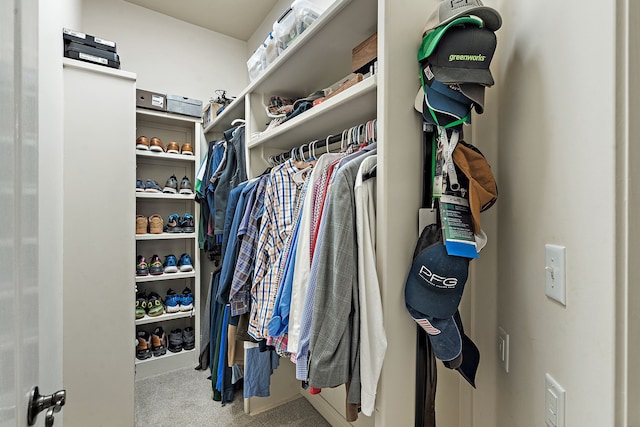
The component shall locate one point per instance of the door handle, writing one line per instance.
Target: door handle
(53, 403)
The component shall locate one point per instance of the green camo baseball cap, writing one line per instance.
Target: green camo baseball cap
(431, 39)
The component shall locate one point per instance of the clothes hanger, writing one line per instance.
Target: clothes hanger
(242, 122)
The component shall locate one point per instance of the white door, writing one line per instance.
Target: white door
(30, 354)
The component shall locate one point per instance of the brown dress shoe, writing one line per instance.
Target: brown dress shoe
(142, 143)
(187, 149)
(156, 145)
(173, 147)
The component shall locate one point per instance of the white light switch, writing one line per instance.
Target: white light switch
(503, 349)
(554, 402)
(555, 273)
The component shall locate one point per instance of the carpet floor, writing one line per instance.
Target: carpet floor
(183, 398)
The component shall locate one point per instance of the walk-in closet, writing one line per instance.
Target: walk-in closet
(235, 206)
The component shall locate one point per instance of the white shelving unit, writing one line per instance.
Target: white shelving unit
(160, 166)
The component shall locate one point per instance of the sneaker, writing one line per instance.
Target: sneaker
(173, 147)
(155, 266)
(172, 301)
(188, 338)
(173, 224)
(155, 224)
(142, 268)
(187, 149)
(170, 264)
(184, 264)
(142, 143)
(141, 224)
(141, 305)
(186, 223)
(158, 342)
(156, 145)
(171, 185)
(185, 186)
(187, 300)
(139, 185)
(152, 186)
(143, 345)
(175, 341)
(155, 307)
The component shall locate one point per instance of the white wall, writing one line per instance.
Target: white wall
(168, 55)
(549, 131)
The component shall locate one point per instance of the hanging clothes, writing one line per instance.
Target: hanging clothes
(234, 173)
(239, 294)
(373, 339)
(334, 344)
(302, 267)
(280, 200)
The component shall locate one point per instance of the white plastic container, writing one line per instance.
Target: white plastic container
(270, 50)
(255, 63)
(306, 13)
(285, 30)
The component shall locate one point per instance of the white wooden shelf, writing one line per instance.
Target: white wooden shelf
(166, 156)
(165, 276)
(168, 355)
(165, 236)
(165, 317)
(164, 117)
(164, 196)
(355, 105)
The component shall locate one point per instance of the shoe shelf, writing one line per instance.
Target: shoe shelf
(165, 276)
(162, 364)
(164, 118)
(165, 236)
(165, 196)
(164, 317)
(165, 156)
(159, 166)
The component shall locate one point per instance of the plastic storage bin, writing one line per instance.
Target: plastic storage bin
(285, 29)
(306, 13)
(270, 50)
(255, 63)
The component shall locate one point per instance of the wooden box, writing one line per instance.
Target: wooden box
(364, 53)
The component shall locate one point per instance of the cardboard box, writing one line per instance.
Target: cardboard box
(151, 100)
(210, 112)
(363, 54)
(183, 105)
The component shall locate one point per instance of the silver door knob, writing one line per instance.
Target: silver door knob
(37, 403)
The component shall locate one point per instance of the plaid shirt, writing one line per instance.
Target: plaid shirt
(239, 293)
(280, 200)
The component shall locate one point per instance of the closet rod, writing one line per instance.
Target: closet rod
(320, 144)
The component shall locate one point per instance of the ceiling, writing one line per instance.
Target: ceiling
(236, 18)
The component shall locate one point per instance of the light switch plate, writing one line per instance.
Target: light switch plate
(554, 402)
(503, 349)
(555, 272)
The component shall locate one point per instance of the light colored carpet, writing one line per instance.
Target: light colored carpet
(183, 398)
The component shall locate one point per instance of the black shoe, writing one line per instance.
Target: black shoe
(175, 341)
(188, 338)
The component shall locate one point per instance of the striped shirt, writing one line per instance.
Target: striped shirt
(240, 285)
(280, 200)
